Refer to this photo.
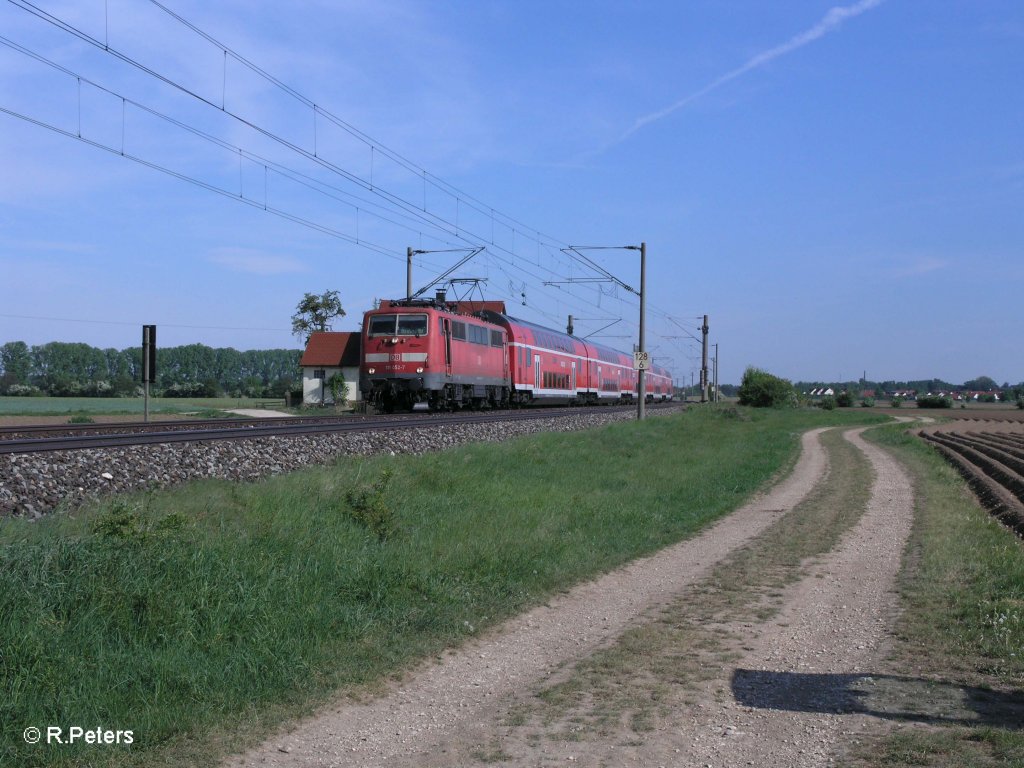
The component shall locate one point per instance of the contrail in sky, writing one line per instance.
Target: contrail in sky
(829, 23)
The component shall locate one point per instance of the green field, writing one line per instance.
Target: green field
(205, 616)
(113, 406)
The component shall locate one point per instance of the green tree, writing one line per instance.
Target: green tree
(16, 361)
(981, 384)
(315, 313)
(67, 363)
(763, 390)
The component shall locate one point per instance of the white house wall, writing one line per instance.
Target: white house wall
(311, 388)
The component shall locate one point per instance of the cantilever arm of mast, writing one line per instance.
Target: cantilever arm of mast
(608, 276)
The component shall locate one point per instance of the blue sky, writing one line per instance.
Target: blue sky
(840, 186)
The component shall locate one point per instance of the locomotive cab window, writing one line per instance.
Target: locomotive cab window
(458, 330)
(398, 325)
(412, 325)
(495, 338)
(383, 325)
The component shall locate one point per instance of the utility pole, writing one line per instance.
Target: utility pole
(704, 363)
(642, 377)
(640, 357)
(714, 391)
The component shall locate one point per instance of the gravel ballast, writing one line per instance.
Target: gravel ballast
(32, 485)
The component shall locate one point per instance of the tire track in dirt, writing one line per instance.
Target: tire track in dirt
(791, 687)
(804, 688)
(405, 725)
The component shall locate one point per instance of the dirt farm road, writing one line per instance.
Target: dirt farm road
(635, 669)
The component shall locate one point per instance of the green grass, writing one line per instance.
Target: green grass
(201, 617)
(963, 620)
(62, 406)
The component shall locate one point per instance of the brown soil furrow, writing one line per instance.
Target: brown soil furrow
(994, 469)
(1002, 504)
(1010, 441)
(996, 452)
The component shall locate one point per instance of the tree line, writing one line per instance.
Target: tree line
(194, 370)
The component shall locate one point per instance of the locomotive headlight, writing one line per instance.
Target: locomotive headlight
(371, 371)
(420, 369)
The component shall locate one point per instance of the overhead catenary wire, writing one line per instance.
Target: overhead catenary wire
(135, 324)
(406, 213)
(450, 227)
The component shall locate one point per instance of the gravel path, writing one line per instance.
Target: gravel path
(408, 725)
(799, 693)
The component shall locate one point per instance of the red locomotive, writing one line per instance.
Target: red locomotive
(436, 353)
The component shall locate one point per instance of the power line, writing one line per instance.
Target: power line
(406, 209)
(135, 324)
(452, 229)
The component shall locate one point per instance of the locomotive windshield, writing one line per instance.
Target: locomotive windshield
(398, 325)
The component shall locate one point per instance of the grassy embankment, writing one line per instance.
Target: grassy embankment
(117, 406)
(200, 617)
(962, 629)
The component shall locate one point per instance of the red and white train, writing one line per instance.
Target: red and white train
(435, 353)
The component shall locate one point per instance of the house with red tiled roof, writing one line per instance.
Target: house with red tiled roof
(328, 354)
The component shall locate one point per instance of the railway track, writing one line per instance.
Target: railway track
(40, 439)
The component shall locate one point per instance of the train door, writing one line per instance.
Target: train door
(536, 371)
(447, 346)
(572, 379)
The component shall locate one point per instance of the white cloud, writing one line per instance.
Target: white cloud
(921, 265)
(829, 23)
(254, 262)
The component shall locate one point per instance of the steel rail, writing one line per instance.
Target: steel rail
(113, 440)
(166, 424)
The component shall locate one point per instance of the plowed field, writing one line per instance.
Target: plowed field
(990, 456)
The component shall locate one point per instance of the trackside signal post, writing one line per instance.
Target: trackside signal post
(148, 364)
